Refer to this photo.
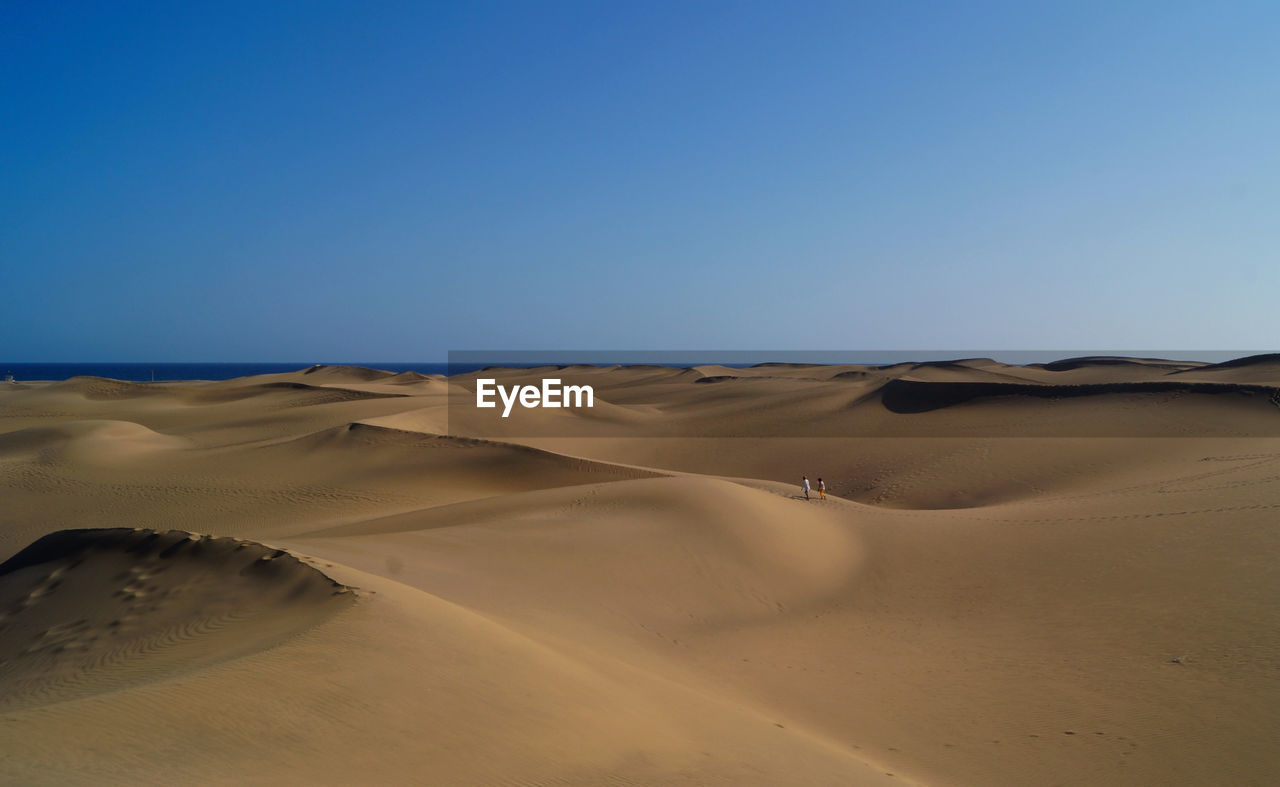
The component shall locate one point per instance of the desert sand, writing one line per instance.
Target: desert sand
(1032, 575)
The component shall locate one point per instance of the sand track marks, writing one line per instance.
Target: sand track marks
(84, 612)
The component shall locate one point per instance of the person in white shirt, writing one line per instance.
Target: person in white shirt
(804, 484)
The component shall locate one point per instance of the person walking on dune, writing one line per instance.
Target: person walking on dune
(804, 484)
(822, 490)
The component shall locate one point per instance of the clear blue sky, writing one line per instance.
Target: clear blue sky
(386, 181)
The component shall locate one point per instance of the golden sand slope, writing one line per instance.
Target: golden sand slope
(989, 597)
(84, 612)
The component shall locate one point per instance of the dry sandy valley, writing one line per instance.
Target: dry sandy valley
(1032, 575)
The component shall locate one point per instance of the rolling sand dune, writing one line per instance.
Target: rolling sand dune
(1085, 397)
(95, 473)
(95, 442)
(1047, 574)
(93, 611)
(1252, 369)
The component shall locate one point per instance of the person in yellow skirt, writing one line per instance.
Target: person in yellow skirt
(822, 490)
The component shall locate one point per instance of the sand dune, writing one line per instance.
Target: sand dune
(1259, 403)
(96, 442)
(1045, 574)
(987, 645)
(95, 473)
(405, 686)
(1097, 397)
(330, 372)
(103, 388)
(93, 611)
(1252, 369)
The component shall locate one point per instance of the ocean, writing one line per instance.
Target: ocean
(145, 372)
(160, 372)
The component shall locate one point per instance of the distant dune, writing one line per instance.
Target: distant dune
(1267, 361)
(917, 396)
(347, 373)
(1043, 574)
(102, 388)
(1251, 369)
